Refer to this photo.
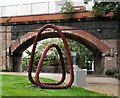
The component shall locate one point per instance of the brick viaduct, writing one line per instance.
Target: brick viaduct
(99, 35)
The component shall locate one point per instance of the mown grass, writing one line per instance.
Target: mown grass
(13, 85)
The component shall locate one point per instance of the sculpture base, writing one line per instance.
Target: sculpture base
(79, 77)
(33, 86)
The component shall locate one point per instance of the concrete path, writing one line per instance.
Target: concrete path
(106, 85)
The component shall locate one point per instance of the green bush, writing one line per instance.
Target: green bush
(6, 70)
(117, 75)
(110, 72)
(113, 72)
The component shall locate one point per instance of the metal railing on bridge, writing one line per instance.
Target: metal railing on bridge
(36, 8)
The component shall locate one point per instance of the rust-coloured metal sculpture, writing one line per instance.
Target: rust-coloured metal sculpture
(51, 85)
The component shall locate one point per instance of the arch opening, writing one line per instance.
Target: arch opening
(90, 41)
(83, 54)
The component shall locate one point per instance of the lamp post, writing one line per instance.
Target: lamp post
(73, 54)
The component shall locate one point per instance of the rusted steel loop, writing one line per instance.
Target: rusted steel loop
(67, 53)
(41, 61)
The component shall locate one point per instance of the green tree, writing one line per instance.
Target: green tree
(26, 60)
(52, 52)
(83, 54)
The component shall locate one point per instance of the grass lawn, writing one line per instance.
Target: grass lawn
(13, 85)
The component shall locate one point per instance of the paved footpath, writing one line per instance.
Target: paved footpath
(106, 85)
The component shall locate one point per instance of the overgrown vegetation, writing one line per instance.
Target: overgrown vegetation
(99, 9)
(13, 85)
(67, 10)
(103, 8)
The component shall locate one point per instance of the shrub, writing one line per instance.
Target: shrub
(67, 10)
(113, 72)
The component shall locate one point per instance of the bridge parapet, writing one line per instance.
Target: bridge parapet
(48, 17)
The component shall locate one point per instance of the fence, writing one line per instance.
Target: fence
(35, 8)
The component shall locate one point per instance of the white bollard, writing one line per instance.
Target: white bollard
(79, 77)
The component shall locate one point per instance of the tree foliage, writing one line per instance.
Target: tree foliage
(26, 59)
(103, 8)
(83, 54)
(67, 10)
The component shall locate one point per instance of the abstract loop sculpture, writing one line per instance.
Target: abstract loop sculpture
(50, 85)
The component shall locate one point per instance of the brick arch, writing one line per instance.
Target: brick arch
(90, 41)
